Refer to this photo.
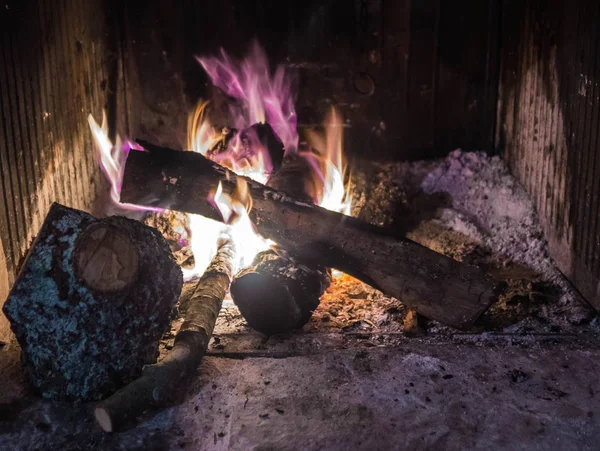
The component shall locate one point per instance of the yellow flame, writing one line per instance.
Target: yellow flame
(235, 208)
(201, 134)
(109, 159)
(330, 162)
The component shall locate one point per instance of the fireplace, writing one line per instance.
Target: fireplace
(386, 210)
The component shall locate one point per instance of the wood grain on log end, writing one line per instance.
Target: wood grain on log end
(105, 258)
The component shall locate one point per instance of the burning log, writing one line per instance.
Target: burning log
(255, 140)
(88, 308)
(276, 294)
(262, 135)
(434, 285)
(163, 383)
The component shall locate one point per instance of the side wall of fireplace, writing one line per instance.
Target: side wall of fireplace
(60, 60)
(549, 124)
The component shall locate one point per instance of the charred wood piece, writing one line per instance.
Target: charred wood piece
(414, 325)
(221, 142)
(276, 294)
(258, 139)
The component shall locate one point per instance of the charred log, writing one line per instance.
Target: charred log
(436, 286)
(277, 294)
(164, 383)
(88, 308)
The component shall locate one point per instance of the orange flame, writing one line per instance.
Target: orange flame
(328, 166)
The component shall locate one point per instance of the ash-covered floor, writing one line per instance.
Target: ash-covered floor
(523, 377)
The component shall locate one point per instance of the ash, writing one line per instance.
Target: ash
(469, 207)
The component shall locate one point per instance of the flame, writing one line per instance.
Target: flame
(259, 96)
(201, 134)
(262, 97)
(112, 160)
(234, 209)
(328, 166)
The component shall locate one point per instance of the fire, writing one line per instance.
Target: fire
(234, 209)
(328, 164)
(112, 160)
(258, 97)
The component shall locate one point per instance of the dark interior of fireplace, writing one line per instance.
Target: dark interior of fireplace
(457, 307)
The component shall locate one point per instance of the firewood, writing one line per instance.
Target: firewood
(276, 294)
(263, 135)
(434, 285)
(91, 303)
(164, 383)
(414, 325)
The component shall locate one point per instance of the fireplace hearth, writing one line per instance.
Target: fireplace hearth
(302, 225)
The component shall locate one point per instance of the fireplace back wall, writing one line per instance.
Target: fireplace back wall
(413, 79)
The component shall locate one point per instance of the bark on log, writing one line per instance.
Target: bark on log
(436, 286)
(91, 303)
(276, 294)
(164, 383)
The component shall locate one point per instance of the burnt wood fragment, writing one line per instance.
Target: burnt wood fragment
(91, 303)
(434, 285)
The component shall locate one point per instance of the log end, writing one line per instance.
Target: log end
(267, 305)
(105, 258)
(88, 309)
(276, 295)
(103, 418)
